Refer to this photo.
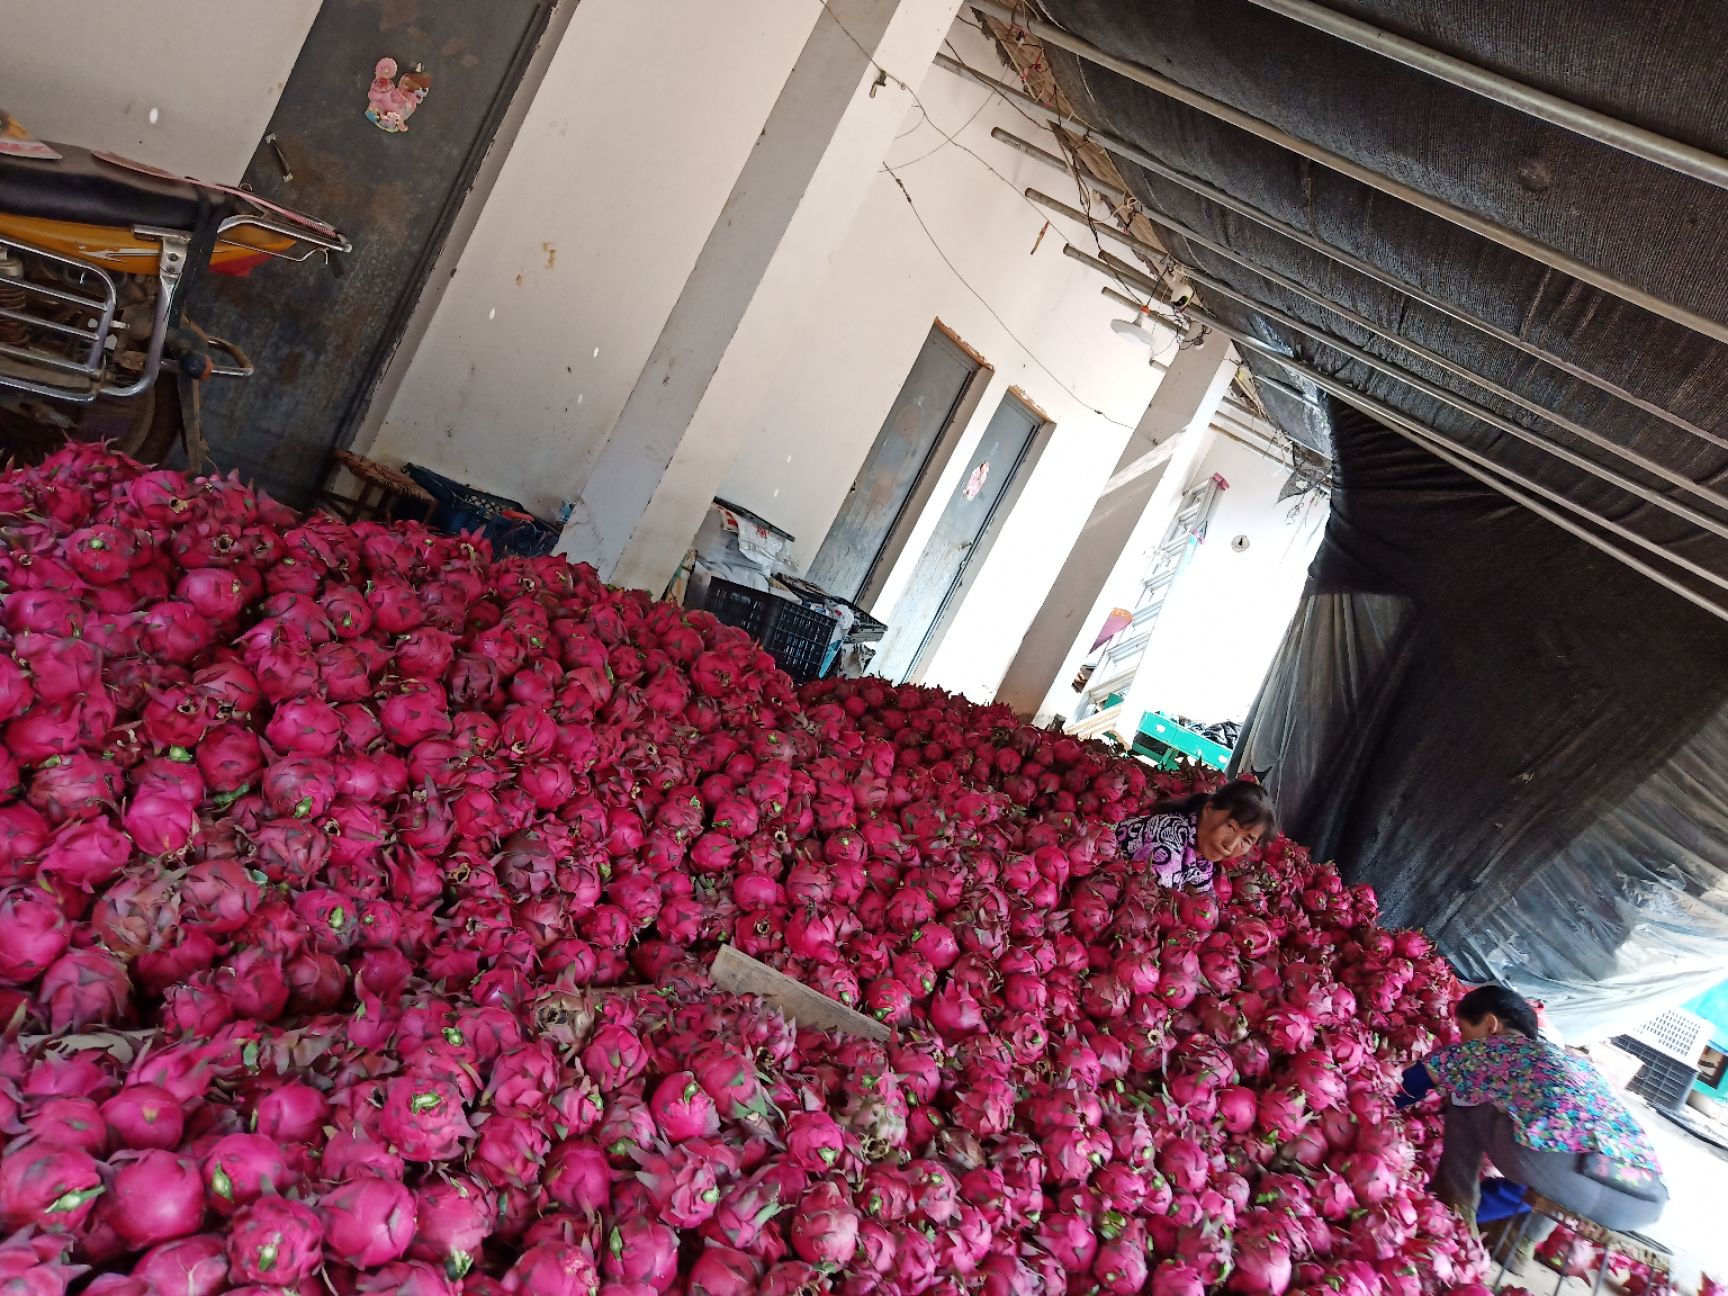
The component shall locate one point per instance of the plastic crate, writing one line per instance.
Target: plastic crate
(505, 523)
(795, 636)
(738, 605)
(1662, 1081)
(798, 639)
(1676, 1033)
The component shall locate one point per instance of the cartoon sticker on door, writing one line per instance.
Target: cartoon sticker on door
(975, 483)
(394, 102)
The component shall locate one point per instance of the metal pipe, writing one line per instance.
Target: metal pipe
(1471, 409)
(65, 330)
(1122, 297)
(1126, 273)
(1109, 191)
(1205, 280)
(1113, 265)
(1338, 255)
(1634, 140)
(1176, 326)
(1492, 230)
(1489, 474)
(1363, 322)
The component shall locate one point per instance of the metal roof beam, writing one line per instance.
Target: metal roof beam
(1493, 231)
(1585, 434)
(1139, 157)
(1635, 141)
(1334, 386)
(1485, 470)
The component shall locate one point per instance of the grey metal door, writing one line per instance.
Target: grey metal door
(321, 342)
(930, 599)
(905, 450)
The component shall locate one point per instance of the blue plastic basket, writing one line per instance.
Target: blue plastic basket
(508, 525)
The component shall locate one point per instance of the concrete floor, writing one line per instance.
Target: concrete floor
(1695, 1225)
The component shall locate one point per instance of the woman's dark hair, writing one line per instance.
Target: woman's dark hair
(1505, 1003)
(1244, 800)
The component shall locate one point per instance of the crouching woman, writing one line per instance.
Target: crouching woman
(1545, 1117)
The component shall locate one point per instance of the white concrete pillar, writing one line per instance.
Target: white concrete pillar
(1165, 446)
(791, 208)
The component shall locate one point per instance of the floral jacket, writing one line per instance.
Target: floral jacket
(1166, 842)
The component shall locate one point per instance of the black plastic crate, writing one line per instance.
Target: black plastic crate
(1662, 1081)
(506, 523)
(738, 605)
(795, 636)
(865, 628)
(798, 638)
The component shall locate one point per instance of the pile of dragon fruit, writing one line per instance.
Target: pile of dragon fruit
(358, 893)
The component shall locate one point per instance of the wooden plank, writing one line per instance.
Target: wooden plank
(740, 974)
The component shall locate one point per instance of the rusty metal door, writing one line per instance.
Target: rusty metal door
(907, 450)
(321, 342)
(924, 611)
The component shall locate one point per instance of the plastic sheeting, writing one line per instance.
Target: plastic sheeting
(1505, 731)
(1520, 743)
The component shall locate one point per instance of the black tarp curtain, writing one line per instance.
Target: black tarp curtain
(1520, 742)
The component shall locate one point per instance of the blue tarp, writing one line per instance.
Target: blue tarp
(1712, 1006)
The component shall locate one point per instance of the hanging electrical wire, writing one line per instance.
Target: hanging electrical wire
(993, 313)
(952, 137)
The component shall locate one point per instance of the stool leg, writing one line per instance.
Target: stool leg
(1602, 1273)
(1512, 1250)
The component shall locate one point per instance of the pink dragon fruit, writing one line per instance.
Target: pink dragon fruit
(368, 1221)
(160, 823)
(194, 1266)
(682, 1187)
(86, 854)
(304, 728)
(723, 1271)
(33, 934)
(50, 1187)
(155, 1198)
(814, 1140)
(824, 1228)
(144, 1116)
(454, 1217)
(642, 1251)
(85, 987)
(614, 1056)
(553, 1269)
(276, 1242)
(240, 1168)
(682, 1109)
(34, 1265)
(290, 1113)
(424, 1118)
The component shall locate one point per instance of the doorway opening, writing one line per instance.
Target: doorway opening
(917, 438)
(982, 501)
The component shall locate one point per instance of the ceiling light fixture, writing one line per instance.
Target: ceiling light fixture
(1136, 330)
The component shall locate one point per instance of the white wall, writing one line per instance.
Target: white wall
(623, 162)
(507, 393)
(824, 407)
(91, 72)
(1227, 612)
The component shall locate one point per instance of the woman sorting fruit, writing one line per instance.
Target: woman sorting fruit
(1184, 842)
(1544, 1116)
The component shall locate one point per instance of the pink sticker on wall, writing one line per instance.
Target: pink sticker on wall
(395, 101)
(975, 483)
